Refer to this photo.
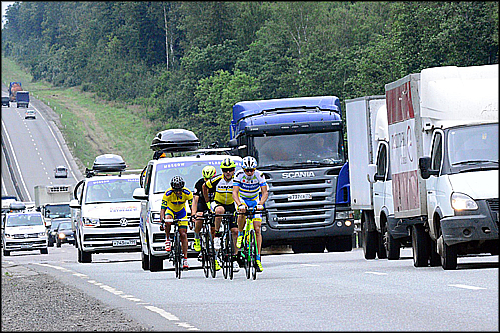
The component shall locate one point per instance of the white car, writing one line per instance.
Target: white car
(30, 114)
(24, 231)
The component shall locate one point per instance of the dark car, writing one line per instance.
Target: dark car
(5, 101)
(64, 234)
(61, 172)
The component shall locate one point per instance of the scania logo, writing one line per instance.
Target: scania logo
(123, 222)
(298, 174)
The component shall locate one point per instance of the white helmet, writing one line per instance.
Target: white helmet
(248, 162)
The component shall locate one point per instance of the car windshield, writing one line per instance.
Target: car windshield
(18, 220)
(473, 144)
(190, 171)
(298, 149)
(111, 190)
(55, 224)
(57, 211)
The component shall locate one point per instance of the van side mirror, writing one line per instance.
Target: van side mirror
(139, 194)
(424, 164)
(74, 204)
(372, 171)
(233, 143)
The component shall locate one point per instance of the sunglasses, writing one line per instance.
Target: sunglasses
(228, 170)
(249, 170)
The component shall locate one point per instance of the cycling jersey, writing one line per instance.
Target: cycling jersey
(223, 189)
(198, 191)
(176, 206)
(249, 185)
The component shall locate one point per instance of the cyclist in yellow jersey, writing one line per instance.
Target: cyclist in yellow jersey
(173, 205)
(223, 203)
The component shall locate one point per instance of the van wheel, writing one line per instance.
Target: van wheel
(6, 253)
(419, 245)
(449, 258)
(155, 263)
(84, 257)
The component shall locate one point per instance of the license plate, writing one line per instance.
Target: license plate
(301, 196)
(124, 242)
(26, 246)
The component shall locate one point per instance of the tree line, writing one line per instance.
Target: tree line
(187, 63)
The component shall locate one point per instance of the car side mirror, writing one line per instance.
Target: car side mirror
(139, 194)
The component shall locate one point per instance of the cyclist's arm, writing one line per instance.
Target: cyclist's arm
(236, 195)
(162, 214)
(264, 195)
(194, 205)
(205, 194)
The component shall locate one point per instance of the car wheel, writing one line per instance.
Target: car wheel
(6, 253)
(44, 251)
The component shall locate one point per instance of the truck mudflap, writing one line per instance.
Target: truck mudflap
(478, 225)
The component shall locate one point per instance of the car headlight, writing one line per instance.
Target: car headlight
(62, 236)
(155, 218)
(460, 201)
(91, 222)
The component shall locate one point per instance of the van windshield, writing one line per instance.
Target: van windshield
(18, 220)
(111, 190)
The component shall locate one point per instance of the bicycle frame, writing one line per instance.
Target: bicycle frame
(249, 248)
(226, 252)
(176, 254)
(207, 246)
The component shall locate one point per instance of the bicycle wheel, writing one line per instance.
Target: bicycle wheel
(230, 251)
(252, 242)
(211, 254)
(177, 253)
(204, 255)
(223, 255)
(247, 255)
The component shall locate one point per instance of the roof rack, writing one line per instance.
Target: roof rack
(175, 140)
(106, 163)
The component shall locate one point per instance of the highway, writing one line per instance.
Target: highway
(296, 292)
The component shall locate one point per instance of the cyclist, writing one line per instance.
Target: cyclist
(199, 206)
(222, 186)
(248, 182)
(173, 205)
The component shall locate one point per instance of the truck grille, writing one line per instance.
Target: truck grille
(116, 223)
(315, 212)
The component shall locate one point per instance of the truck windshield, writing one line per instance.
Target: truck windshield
(17, 220)
(299, 149)
(57, 211)
(111, 190)
(473, 145)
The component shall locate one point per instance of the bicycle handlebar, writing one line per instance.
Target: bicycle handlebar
(251, 211)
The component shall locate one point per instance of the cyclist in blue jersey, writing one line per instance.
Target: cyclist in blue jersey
(250, 190)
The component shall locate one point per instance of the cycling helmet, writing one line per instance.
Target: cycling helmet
(208, 172)
(177, 183)
(227, 163)
(248, 162)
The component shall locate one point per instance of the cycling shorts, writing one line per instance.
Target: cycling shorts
(231, 208)
(202, 207)
(180, 215)
(252, 204)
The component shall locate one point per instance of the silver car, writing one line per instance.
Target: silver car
(61, 172)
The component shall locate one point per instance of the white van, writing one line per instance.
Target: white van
(186, 161)
(105, 213)
(23, 230)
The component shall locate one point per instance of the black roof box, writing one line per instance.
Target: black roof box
(108, 162)
(175, 140)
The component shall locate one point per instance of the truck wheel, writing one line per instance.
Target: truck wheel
(393, 247)
(370, 241)
(44, 251)
(434, 257)
(419, 245)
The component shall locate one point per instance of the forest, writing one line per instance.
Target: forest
(187, 63)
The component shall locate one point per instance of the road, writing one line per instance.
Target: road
(296, 292)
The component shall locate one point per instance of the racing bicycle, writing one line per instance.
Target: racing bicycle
(226, 253)
(207, 246)
(176, 254)
(249, 247)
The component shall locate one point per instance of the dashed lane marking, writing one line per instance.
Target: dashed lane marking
(376, 273)
(464, 286)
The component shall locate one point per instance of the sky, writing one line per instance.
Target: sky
(5, 4)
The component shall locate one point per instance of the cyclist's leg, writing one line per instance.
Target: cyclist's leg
(169, 215)
(219, 209)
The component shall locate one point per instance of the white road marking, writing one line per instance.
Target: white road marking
(161, 312)
(464, 286)
(376, 273)
(309, 265)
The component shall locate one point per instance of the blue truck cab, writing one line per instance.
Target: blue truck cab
(299, 146)
(22, 99)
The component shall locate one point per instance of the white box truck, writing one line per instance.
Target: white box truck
(53, 201)
(443, 129)
(370, 179)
